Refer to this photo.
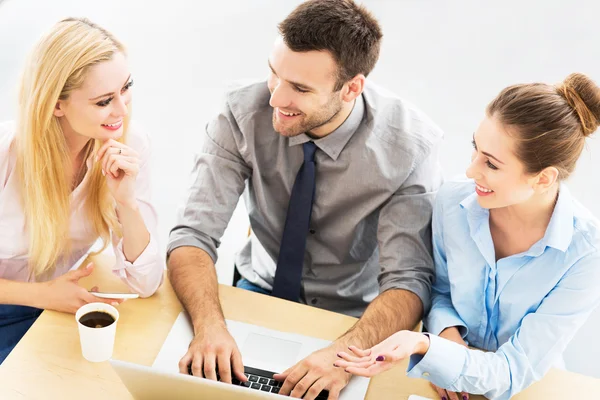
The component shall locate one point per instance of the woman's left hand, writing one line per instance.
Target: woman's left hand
(384, 355)
(120, 164)
(453, 334)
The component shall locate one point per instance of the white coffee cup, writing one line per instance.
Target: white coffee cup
(97, 343)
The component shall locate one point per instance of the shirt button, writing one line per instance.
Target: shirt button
(425, 374)
(312, 231)
(314, 301)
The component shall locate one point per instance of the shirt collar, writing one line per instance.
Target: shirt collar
(559, 232)
(334, 143)
(560, 229)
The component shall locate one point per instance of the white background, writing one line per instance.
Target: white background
(448, 57)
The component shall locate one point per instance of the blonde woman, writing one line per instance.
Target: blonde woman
(72, 172)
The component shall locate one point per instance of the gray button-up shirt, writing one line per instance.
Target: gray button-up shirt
(376, 178)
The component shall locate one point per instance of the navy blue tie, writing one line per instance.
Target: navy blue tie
(288, 276)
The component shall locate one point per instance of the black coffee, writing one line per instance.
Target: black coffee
(97, 319)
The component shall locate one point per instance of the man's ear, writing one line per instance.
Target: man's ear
(354, 88)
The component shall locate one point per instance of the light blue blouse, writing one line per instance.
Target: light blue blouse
(523, 309)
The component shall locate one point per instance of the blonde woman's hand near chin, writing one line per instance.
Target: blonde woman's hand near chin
(121, 165)
(65, 295)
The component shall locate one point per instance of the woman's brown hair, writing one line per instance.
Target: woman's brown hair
(550, 122)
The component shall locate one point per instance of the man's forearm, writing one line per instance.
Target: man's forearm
(194, 278)
(390, 312)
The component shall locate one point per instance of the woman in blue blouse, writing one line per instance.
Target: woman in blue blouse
(517, 257)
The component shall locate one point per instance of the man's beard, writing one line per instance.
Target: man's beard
(309, 123)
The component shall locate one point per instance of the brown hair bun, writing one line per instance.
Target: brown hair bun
(583, 95)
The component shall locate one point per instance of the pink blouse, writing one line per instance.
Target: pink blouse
(143, 276)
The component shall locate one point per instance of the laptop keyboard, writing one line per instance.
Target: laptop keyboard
(262, 380)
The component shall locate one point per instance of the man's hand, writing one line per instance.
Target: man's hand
(315, 373)
(381, 319)
(212, 348)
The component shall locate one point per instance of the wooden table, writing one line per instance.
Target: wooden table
(47, 363)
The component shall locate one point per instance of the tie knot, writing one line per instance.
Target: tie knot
(309, 151)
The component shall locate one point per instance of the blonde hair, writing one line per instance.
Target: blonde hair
(57, 66)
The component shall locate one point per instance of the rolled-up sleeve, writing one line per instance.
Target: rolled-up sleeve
(525, 358)
(404, 231)
(442, 314)
(145, 274)
(218, 177)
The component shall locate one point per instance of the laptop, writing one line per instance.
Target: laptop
(264, 352)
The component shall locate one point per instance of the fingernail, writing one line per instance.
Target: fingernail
(465, 397)
(444, 398)
(380, 358)
(103, 173)
(338, 354)
(334, 364)
(114, 304)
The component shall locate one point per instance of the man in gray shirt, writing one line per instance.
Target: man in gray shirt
(338, 177)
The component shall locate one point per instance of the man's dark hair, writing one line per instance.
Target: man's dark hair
(348, 31)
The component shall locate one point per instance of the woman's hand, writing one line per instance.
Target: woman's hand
(65, 295)
(384, 355)
(120, 165)
(451, 334)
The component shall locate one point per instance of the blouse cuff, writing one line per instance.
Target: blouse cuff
(145, 274)
(442, 364)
